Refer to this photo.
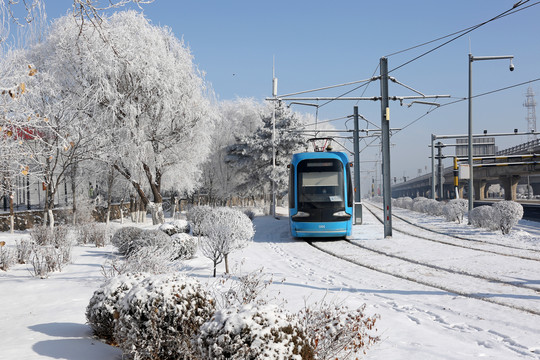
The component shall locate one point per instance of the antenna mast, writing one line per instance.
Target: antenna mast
(530, 104)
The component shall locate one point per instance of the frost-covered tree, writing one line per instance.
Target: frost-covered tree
(225, 230)
(151, 114)
(237, 118)
(252, 154)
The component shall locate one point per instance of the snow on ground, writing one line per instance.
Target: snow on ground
(45, 318)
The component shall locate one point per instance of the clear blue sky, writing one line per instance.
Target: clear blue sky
(318, 43)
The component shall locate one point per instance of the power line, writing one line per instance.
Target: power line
(507, 12)
(457, 32)
(472, 97)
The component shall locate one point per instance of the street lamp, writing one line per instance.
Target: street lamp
(470, 137)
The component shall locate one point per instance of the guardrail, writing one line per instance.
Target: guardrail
(528, 146)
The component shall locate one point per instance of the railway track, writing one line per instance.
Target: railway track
(409, 228)
(453, 268)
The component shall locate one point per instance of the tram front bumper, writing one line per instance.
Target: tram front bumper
(327, 229)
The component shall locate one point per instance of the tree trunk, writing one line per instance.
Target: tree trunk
(226, 257)
(122, 211)
(132, 208)
(73, 191)
(11, 213)
(142, 211)
(156, 209)
(110, 183)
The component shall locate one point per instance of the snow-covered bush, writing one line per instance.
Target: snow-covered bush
(484, 217)
(185, 245)
(131, 239)
(42, 235)
(455, 209)
(124, 239)
(150, 259)
(509, 213)
(159, 316)
(195, 217)
(102, 309)
(336, 332)
(403, 202)
(7, 256)
(175, 227)
(48, 258)
(419, 204)
(434, 207)
(93, 233)
(241, 289)
(24, 250)
(253, 332)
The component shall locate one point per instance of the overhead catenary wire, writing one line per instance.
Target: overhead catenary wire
(457, 32)
(507, 12)
(472, 97)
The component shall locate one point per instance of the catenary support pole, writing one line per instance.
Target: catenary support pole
(357, 189)
(385, 132)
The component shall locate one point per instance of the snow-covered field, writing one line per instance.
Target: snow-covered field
(45, 318)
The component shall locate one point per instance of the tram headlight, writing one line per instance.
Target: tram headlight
(301, 214)
(341, 214)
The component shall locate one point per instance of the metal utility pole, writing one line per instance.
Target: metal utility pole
(440, 169)
(385, 132)
(357, 189)
(470, 120)
(274, 94)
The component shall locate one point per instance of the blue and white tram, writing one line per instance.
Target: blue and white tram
(320, 195)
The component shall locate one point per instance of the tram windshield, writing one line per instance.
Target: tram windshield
(321, 182)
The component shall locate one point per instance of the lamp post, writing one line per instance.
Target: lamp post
(470, 136)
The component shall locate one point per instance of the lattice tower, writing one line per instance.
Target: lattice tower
(530, 104)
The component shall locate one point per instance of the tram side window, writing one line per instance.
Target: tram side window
(291, 187)
(350, 193)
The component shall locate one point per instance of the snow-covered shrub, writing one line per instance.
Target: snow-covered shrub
(404, 202)
(125, 237)
(93, 233)
(434, 207)
(420, 204)
(7, 256)
(455, 209)
(337, 332)
(24, 250)
(150, 259)
(238, 290)
(175, 227)
(48, 258)
(154, 238)
(42, 235)
(195, 217)
(102, 309)
(484, 217)
(253, 332)
(159, 316)
(185, 245)
(509, 213)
